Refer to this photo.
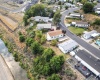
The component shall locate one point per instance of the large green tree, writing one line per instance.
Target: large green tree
(48, 54)
(88, 7)
(36, 48)
(57, 17)
(56, 63)
(29, 41)
(54, 77)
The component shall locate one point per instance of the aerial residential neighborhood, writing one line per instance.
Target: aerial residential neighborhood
(49, 39)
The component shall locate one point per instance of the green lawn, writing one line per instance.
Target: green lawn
(76, 30)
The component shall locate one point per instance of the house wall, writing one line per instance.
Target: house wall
(62, 49)
(48, 37)
(87, 65)
(81, 25)
(86, 36)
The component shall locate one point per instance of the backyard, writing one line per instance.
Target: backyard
(76, 30)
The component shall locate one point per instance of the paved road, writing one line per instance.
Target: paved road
(25, 6)
(81, 42)
(5, 73)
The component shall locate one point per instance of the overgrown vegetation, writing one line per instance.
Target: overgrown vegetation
(97, 22)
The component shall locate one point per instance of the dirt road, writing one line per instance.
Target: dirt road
(5, 73)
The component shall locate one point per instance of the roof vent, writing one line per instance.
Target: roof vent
(95, 64)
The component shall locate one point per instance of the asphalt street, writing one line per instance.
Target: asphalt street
(5, 73)
(25, 6)
(81, 42)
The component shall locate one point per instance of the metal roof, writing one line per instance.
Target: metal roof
(89, 59)
(67, 45)
(90, 33)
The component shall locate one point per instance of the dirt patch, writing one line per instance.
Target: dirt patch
(10, 23)
(90, 17)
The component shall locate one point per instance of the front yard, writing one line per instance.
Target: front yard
(76, 30)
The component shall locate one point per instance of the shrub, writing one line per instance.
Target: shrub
(97, 22)
(54, 42)
(21, 38)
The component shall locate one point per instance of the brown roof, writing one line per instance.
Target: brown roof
(55, 33)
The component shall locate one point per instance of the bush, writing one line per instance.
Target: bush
(97, 22)
(21, 38)
(54, 42)
(69, 72)
(66, 7)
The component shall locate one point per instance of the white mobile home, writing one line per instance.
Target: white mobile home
(40, 19)
(88, 35)
(44, 26)
(68, 46)
(54, 34)
(81, 24)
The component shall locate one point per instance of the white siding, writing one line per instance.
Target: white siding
(48, 37)
(62, 49)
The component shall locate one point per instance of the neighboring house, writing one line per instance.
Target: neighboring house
(76, 15)
(54, 34)
(68, 46)
(88, 35)
(44, 26)
(81, 24)
(40, 19)
(69, 5)
(97, 8)
(79, 4)
(92, 63)
(62, 0)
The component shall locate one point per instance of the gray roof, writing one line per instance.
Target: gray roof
(86, 23)
(40, 26)
(89, 59)
(97, 6)
(67, 45)
(39, 17)
(90, 33)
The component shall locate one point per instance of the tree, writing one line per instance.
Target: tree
(66, 7)
(21, 38)
(56, 63)
(43, 39)
(29, 41)
(57, 17)
(54, 77)
(88, 7)
(41, 67)
(36, 48)
(59, 3)
(25, 19)
(83, 1)
(48, 54)
(97, 22)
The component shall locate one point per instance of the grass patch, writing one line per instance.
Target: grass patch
(76, 30)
